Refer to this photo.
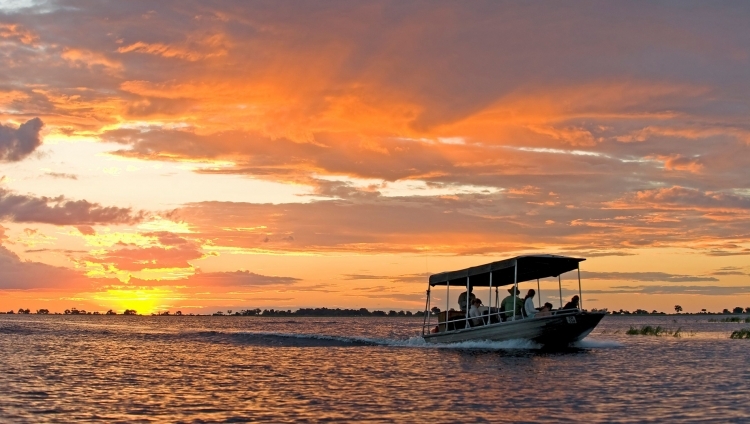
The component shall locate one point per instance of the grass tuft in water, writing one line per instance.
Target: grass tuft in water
(741, 334)
(731, 319)
(648, 330)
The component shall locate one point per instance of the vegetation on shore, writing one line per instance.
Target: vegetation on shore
(303, 312)
(741, 334)
(322, 312)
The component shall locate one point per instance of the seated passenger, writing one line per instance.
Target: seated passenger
(545, 311)
(512, 305)
(529, 309)
(475, 314)
(573, 304)
(462, 300)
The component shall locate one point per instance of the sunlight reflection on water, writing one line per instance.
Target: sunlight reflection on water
(172, 369)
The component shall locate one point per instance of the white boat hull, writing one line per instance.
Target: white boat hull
(561, 329)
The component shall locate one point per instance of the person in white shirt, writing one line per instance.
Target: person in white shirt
(475, 313)
(528, 306)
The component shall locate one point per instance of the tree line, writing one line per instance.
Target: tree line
(319, 312)
(338, 312)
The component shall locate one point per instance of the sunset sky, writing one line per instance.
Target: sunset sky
(212, 155)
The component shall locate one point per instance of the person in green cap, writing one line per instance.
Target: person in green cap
(507, 304)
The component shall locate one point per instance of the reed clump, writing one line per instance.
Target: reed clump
(741, 334)
(648, 330)
(732, 319)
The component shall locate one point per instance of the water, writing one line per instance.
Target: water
(239, 369)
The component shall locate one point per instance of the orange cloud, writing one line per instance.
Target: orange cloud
(681, 163)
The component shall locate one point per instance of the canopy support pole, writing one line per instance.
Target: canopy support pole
(497, 300)
(427, 312)
(515, 287)
(468, 297)
(490, 305)
(580, 293)
(559, 284)
(447, 302)
(539, 289)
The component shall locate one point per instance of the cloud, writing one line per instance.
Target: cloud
(62, 175)
(404, 278)
(16, 274)
(689, 197)
(239, 279)
(167, 238)
(15, 32)
(730, 270)
(603, 131)
(17, 143)
(200, 47)
(139, 259)
(229, 279)
(645, 276)
(86, 230)
(399, 297)
(459, 224)
(59, 211)
(677, 289)
(681, 163)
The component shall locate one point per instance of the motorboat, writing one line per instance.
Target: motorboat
(558, 327)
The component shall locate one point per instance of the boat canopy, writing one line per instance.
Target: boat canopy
(530, 267)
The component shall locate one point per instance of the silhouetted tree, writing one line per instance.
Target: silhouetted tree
(677, 308)
(42, 311)
(747, 310)
(129, 312)
(435, 310)
(111, 312)
(725, 311)
(737, 310)
(24, 311)
(178, 313)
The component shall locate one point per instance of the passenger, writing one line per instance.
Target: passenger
(462, 300)
(474, 312)
(545, 311)
(508, 303)
(573, 304)
(528, 304)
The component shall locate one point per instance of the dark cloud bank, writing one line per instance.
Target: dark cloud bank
(59, 211)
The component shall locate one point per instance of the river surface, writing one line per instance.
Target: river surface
(241, 369)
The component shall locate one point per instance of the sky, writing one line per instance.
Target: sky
(207, 156)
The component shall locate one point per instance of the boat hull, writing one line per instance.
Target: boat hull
(556, 330)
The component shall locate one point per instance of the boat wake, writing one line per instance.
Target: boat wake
(275, 339)
(597, 344)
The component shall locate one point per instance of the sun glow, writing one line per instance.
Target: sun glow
(144, 301)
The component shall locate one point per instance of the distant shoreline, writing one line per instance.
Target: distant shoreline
(371, 315)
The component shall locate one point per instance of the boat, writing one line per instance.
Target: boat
(558, 328)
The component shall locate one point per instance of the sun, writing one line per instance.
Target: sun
(143, 301)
